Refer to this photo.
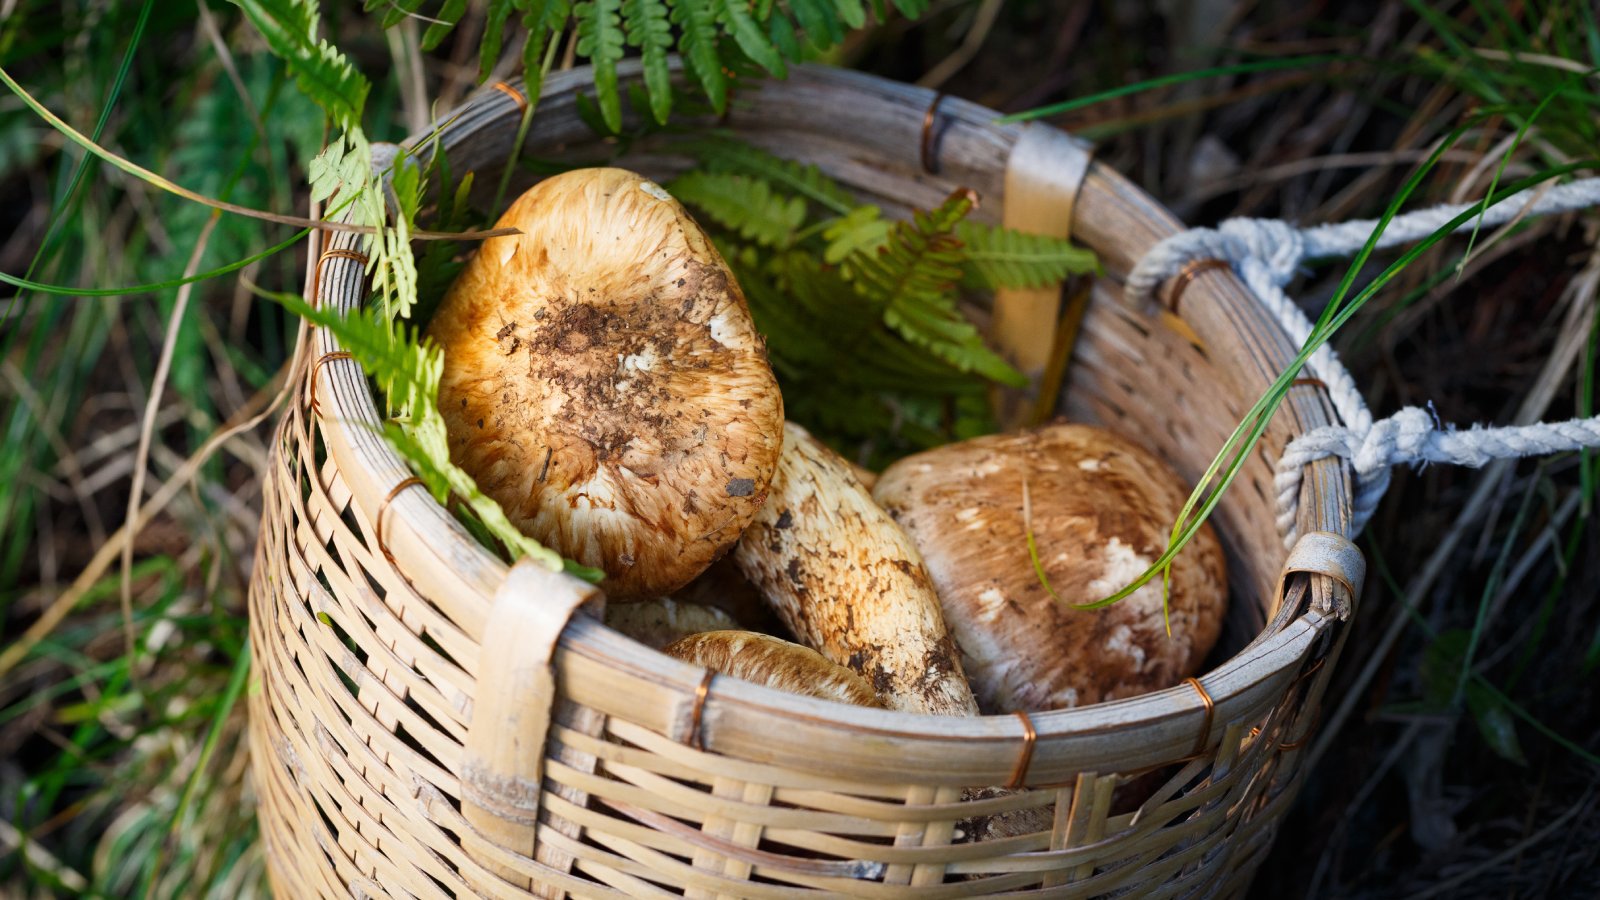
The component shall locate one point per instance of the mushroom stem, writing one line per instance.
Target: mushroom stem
(848, 582)
(776, 663)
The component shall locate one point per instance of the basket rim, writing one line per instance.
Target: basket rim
(435, 553)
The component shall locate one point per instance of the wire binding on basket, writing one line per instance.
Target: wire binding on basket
(930, 162)
(516, 96)
(317, 367)
(1190, 271)
(693, 738)
(1030, 736)
(377, 521)
(1307, 380)
(1211, 710)
(316, 275)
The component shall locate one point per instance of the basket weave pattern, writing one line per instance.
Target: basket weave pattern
(371, 610)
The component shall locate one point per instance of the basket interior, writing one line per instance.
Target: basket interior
(1133, 371)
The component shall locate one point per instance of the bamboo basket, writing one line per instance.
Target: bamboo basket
(430, 723)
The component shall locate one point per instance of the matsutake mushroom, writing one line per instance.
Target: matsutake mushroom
(657, 623)
(848, 582)
(604, 382)
(776, 663)
(1101, 509)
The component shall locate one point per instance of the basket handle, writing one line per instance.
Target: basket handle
(1044, 172)
(502, 769)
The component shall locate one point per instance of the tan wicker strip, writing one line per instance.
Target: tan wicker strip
(695, 739)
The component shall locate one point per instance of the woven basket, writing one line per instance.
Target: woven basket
(431, 723)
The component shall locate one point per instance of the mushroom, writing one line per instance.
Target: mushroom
(848, 582)
(776, 663)
(1101, 510)
(657, 623)
(603, 381)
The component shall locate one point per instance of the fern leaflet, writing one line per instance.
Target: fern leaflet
(321, 71)
(600, 38)
(744, 205)
(721, 154)
(913, 279)
(1005, 257)
(648, 29)
(697, 21)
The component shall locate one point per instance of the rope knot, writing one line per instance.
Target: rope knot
(1401, 438)
(1278, 246)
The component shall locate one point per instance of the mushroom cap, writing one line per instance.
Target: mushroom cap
(657, 623)
(604, 382)
(763, 659)
(849, 583)
(1102, 508)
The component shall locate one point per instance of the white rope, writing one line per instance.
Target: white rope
(1267, 253)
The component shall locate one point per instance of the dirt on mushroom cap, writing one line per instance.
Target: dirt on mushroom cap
(1101, 508)
(605, 384)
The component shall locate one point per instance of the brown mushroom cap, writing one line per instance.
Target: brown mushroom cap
(848, 582)
(657, 623)
(1101, 512)
(604, 382)
(763, 659)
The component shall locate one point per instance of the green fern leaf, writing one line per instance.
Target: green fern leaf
(697, 22)
(782, 34)
(321, 71)
(820, 21)
(737, 157)
(646, 24)
(600, 38)
(911, 9)
(494, 35)
(746, 32)
(912, 278)
(851, 12)
(444, 22)
(1005, 257)
(744, 205)
(862, 230)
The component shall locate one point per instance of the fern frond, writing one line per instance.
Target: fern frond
(600, 38)
(851, 12)
(744, 205)
(408, 370)
(820, 21)
(444, 22)
(1005, 257)
(913, 278)
(494, 35)
(862, 230)
(321, 71)
(746, 32)
(720, 154)
(697, 22)
(645, 22)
